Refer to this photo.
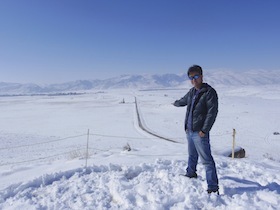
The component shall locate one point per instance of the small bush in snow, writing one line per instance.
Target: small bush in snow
(127, 147)
(76, 154)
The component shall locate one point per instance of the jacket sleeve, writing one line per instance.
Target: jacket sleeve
(183, 101)
(212, 110)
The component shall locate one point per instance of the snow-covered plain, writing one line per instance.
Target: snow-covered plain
(44, 148)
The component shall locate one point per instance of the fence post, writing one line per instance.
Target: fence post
(87, 147)
(233, 143)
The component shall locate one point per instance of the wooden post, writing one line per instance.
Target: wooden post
(233, 143)
(87, 147)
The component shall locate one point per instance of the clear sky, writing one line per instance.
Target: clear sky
(47, 41)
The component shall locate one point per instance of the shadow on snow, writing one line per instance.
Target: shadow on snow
(251, 186)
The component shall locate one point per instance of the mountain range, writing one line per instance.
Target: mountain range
(213, 77)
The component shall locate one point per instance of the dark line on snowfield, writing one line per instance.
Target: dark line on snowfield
(144, 129)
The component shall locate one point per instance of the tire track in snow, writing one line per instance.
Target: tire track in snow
(141, 125)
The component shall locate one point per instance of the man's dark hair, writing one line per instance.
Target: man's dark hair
(196, 69)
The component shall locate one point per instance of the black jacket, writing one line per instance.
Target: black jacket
(205, 108)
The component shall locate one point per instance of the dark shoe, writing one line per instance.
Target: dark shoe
(213, 191)
(191, 176)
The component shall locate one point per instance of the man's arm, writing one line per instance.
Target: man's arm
(182, 102)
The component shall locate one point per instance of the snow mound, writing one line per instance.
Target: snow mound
(148, 186)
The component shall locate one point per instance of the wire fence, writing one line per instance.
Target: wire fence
(80, 148)
(40, 143)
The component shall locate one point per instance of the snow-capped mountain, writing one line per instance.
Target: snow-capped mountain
(213, 77)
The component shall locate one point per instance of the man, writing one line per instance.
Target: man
(202, 110)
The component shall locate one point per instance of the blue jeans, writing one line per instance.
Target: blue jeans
(200, 146)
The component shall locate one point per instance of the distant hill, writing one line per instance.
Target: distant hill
(214, 78)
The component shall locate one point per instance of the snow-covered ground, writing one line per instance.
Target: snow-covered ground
(44, 141)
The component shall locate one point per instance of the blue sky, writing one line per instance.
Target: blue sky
(63, 40)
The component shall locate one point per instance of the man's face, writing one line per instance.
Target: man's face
(196, 79)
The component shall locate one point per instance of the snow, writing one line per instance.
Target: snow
(44, 140)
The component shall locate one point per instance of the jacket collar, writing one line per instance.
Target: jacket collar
(204, 88)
